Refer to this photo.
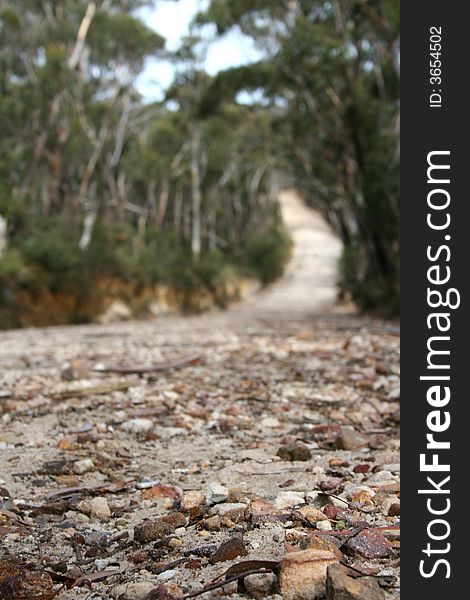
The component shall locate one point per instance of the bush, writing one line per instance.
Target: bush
(268, 256)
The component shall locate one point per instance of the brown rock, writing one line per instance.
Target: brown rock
(162, 491)
(192, 501)
(349, 439)
(149, 531)
(332, 512)
(369, 544)
(316, 542)
(27, 584)
(303, 573)
(295, 451)
(228, 550)
(339, 586)
(330, 484)
(262, 511)
(167, 591)
(260, 585)
(311, 515)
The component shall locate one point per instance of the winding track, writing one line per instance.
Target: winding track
(309, 284)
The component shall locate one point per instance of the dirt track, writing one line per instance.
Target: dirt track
(285, 367)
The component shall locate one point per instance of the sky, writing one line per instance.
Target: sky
(171, 20)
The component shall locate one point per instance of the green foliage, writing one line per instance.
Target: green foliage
(268, 256)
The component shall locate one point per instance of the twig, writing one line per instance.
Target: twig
(219, 584)
(96, 390)
(160, 366)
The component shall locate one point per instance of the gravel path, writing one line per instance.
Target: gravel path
(284, 400)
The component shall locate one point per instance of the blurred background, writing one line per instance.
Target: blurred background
(144, 145)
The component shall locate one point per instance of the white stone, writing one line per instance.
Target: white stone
(216, 493)
(137, 425)
(270, 422)
(83, 466)
(324, 525)
(289, 499)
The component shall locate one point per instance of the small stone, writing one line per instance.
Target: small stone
(212, 523)
(384, 501)
(166, 575)
(302, 574)
(83, 466)
(228, 550)
(311, 515)
(137, 425)
(175, 543)
(339, 586)
(99, 508)
(361, 468)
(192, 500)
(324, 542)
(330, 484)
(289, 499)
(26, 584)
(270, 422)
(394, 510)
(216, 493)
(324, 525)
(164, 591)
(381, 479)
(369, 544)
(162, 491)
(297, 451)
(149, 531)
(260, 585)
(235, 511)
(262, 511)
(349, 439)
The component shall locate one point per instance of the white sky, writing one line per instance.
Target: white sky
(171, 20)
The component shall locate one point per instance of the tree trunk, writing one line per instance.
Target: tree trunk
(196, 193)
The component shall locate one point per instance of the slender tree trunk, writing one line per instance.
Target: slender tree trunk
(196, 195)
(3, 235)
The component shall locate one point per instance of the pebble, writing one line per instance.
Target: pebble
(260, 585)
(149, 531)
(324, 525)
(302, 573)
(349, 439)
(330, 484)
(192, 500)
(166, 576)
(369, 544)
(382, 478)
(296, 451)
(83, 466)
(270, 422)
(339, 586)
(137, 425)
(228, 550)
(289, 499)
(216, 493)
(233, 511)
(133, 591)
(99, 508)
(311, 514)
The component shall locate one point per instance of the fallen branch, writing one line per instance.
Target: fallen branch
(95, 390)
(160, 366)
(220, 583)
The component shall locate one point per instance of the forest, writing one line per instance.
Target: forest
(101, 189)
